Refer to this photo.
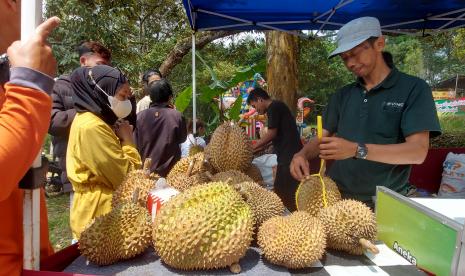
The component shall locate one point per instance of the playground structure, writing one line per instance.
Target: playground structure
(302, 113)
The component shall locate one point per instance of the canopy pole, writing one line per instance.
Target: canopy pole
(194, 94)
(31, 16)
(456, 84)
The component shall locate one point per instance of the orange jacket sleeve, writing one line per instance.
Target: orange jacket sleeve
(24, 121)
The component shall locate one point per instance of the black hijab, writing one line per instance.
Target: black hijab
(89, 98)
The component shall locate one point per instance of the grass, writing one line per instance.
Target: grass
(453, 132)
(452, 123)
(58, 221)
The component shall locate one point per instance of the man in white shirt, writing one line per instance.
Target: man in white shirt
(149, 77)
(191, 140)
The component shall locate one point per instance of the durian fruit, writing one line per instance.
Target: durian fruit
(232, 177)
(99, 240)
(188, 172)
(136, 228)
(265, 204)
(229, 149)
(254, 173)
(119, 235)
(309, 195)
(350, 226)
(194, 149)
(205, 227)
(137, 179)
(294, 241)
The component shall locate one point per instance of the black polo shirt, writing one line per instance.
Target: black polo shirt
(287, 140)
(399, 106)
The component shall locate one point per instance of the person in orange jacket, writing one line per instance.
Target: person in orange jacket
(25, 107)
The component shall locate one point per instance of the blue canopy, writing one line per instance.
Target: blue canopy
(397, 16)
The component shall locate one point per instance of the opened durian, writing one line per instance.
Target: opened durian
(205, 227)
(137, 179)
(229, 149)
(265, 204)
(232, 177)
(309, 195)
(254, 173)
(119, 235)
(188, 172)
(294, 241)
(350, 226)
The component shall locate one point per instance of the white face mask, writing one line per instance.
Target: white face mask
(122, 109)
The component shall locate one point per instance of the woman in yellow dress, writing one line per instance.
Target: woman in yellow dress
(101, 149)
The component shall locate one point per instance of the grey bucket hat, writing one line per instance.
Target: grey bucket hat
(355, 32)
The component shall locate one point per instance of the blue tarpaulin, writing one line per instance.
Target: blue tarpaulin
(394, 15)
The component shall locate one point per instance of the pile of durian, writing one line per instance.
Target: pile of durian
(220, 209)
(228, 158)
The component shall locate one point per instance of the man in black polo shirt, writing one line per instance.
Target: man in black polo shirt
(376, 127)
(282, 131)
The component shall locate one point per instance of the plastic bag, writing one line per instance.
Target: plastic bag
(453, 177)
(266, 163)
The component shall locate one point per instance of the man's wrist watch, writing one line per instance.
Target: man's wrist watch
(362, 151)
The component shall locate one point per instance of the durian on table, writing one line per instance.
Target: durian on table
(255, 173)
(229, 148)
(294, 241)
(140, 180)
(194, 149)
(265, 204)
(309, 194)
(121, 234)
(350, 226)
(188, 172)
(205, 227)
(232, 177)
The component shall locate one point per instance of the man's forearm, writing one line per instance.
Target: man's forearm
(412, 151)
(397, 154)
(265, 140)
(310, 150)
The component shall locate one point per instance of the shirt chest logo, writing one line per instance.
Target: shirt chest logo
(393, 106)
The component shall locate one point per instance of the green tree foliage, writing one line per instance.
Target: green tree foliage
(140, 33)
(433, 58)
(318, 76)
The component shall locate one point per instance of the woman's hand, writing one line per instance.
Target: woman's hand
(124, 131)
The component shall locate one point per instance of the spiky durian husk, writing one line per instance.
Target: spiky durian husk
(195, 149)
(254, 173)
(182, 182)
(346, 222)
(232, 177)
(137, 179)
(265, 204)
(121, 234)
(205, 227)
(136, 229)
(229, 149)
(294, 241)
(309, 195)
(181, 179)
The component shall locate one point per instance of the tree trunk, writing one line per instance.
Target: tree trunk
(281, 68)
(183, 47)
